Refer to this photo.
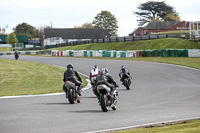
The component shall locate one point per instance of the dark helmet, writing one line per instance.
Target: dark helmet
(95, 67)
(123, 67)
(70, 66)
(104, 70)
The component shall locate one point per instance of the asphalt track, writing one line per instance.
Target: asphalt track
(159, 93)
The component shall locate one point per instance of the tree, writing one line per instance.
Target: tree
(26, 29)
(106, 21)
(172, 17)
(154, 10)
(85, 25)
(11, 38)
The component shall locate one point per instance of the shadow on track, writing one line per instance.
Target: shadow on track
(55, 103)
(86, 111)
(88, 97)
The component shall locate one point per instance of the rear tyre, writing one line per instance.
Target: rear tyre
(71, 96)
(104, 103)
(126, 84)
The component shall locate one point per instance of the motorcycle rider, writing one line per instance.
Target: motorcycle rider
(16, 54)
(105, 78)
(124, 73)
(72, 75)
(93, 78)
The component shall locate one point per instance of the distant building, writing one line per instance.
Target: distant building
(163, 26)
(136, 32)
(62, 35)
(194, 29)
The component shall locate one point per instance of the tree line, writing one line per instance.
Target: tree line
(148, 11)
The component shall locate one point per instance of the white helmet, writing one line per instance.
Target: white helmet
(95, 67)
(104, 70)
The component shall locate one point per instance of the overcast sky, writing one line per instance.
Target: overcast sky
(70, 13)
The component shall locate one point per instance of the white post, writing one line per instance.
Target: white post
(190, 29)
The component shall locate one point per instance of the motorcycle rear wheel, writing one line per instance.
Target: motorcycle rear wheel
(104, 103)
(71, 96)
(126, 84)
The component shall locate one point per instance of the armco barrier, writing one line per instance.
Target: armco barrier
(113, 53)
(194, 52)
(164, 53)
(27, 53)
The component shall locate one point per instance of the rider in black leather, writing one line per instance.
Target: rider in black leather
(72, 75)
(105, 78)
(16, 53)
(124, 73)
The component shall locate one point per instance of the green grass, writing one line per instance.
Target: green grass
(174, 32)
(166, 43)
(29, 78)
(182, 127)
(5, 49)
(184, 61)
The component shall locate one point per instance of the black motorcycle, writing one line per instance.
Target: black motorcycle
(16, 56)
(127, 81)
(72, 92)
(107, 100)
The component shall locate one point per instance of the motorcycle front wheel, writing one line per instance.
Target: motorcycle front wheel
(104, 103)
(71, 96)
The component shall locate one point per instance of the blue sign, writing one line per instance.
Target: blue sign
(33, 41)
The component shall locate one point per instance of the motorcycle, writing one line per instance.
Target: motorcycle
(16, 56)
(127, 81)
(107, 100)
(72, 92)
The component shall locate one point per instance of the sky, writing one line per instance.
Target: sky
(71, 13)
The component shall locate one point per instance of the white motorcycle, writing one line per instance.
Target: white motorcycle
(107, 100)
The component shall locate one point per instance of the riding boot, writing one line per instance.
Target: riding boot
(79, 90)
(65, 90)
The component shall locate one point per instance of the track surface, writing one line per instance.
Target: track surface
(160, 92)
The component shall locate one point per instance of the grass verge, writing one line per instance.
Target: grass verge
(165, 43)
(29, 78)
(181, 127)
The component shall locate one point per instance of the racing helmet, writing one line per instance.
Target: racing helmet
(95, 67)
(104, 70)
(70, 66)
(123, 67)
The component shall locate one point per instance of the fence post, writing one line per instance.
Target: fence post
(133, 38)
(116, 39)
(124, 39)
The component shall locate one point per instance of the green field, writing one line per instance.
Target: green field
(167, 43)
(29, 78)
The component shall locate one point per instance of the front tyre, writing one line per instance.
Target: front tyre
(71, 96)
(104, 103)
